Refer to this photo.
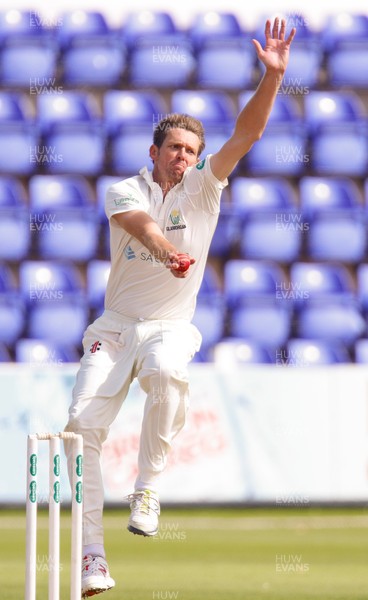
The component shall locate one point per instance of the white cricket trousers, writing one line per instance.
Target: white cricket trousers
(116, 350)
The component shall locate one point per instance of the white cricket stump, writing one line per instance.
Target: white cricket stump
(54, 514)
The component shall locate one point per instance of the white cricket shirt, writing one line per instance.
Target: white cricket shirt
(139, 285)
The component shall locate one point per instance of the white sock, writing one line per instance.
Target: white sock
(94, 550)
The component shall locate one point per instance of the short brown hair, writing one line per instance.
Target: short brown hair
(179, 121)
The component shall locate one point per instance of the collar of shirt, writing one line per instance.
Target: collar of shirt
(155, 188)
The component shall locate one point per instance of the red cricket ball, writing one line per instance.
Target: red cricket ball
(184, 263)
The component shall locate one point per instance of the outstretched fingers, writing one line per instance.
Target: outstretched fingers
(268, 29)
(282, 30)
(275, 29)
(291, 36)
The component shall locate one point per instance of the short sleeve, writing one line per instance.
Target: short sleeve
(122, 198)
(202, 188)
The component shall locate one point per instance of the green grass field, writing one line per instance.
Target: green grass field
(229, 554)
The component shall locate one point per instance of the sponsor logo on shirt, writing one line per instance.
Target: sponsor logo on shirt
(129, 252)
(176, 220)
(127, 199)
(149, 258)
(200, 165)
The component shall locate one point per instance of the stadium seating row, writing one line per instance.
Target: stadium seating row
(150, 50)
(69, 135)
(214, 108)
(230, 351)
(259, 303)
(263, 220)
(62, 217)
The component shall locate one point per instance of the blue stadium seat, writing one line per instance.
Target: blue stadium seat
(146, 24)
(209, 318)
(57, 307)
(213, 28)
(81, 24)
(246, 278)
(338, 235)
(14, 220)
(272, 235)
(232, 351)
(53, 192)
(303, 71)
(321, 281)
(26, 62)
(314, 352)
(333, 319)
(282, 150)
(346, 65)
(130, 107)
(19, 148)
(92, 54)
(64, 219)
(167, 63)
(285, 109)
(343, 27)
(213, 65)
(212, 108)
(16, 24)
(266, 321)
(329, 107)
(361, 351)
(74, 140)
(41, 352)
(63, 322)
(251, 194)
(71, 107)
(129, 149)
(340, 150)
(76, 148)
(327, 194)
(98, 272)
(94, 62)
(49, 281)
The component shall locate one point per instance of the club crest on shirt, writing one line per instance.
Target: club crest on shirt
(176, 220)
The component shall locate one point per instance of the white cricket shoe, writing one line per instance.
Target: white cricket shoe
(95, 576)
(145, 509)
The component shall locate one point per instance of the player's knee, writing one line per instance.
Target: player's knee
(92, 435)
(163, 381)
